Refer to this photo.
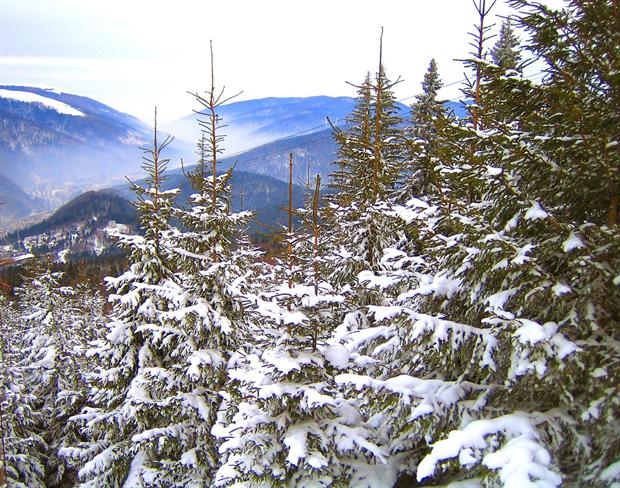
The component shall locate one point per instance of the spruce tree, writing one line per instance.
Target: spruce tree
(293, 425)
(428, 113)
(370, 157)
(46, 372)
(125, 405)
(509, 342)
(208, 322)
(505, 52)
(22, 442)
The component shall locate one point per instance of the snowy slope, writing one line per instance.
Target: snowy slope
(25, 96)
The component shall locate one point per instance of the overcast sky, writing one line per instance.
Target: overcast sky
(135, 54)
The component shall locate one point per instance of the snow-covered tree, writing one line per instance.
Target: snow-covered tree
(125, 388)
(422, 177)
(427, 107)
(293, 425)
(49, 331)
(22, 443)
(207, 320)
(370, 157)
(508, 346)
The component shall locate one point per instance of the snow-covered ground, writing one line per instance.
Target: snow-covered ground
(23, 96)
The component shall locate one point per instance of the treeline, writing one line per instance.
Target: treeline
(450, 315)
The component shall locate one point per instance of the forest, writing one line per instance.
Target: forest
(445, 311)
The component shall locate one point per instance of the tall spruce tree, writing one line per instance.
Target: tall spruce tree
(370, 157)
(428, 113)
(516, 326)
(50, 326)
(23, 445)
(125, 401)
(293, 425)
(210, 315)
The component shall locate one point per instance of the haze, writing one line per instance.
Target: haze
(136, 54)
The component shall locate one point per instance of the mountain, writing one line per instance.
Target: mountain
(253, 122)
(79, 227)
(15, 203)
(250, 123)
(54, 144)
(264, 195)
(309, 135)
(312, 154)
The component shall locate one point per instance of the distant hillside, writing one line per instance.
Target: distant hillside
(250, 123)
(312, 153)
(264, 195)
(15, 203)
(87, 212)
(55, 144)
(314, 150)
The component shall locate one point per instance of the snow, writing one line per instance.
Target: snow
(437, 285)
(611, 472)
(295, 440)
(138, 465)
(29, 97)
(599, 373)
(498, 300)
(535, 212)
(560, 289)
(530, 332)
(408, 387)
(372, 280)
(384, 313)
(611, 144)
(62, 255)
(493, 171)
(337, 355)
(572, 242)
(522, 462)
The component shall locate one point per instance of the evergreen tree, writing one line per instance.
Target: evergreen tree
(427, 107)
(125, 390)
(293, 425)
(508, 344)
(47, 375)
(371, 155)
(22, 443)
(505, 53)
(208, 321)
(428, 113)
(364, 223)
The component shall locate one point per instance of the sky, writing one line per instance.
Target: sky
(137, 54)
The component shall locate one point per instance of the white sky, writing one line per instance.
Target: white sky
(135, 54)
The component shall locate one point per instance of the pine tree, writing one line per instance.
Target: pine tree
(367, 233)
(47, 375)
(371, 155)
(428, 113)
(208, 321)
(505, 53)
(509, 342)
(293, 426)
(124, 401)
(22, 443)
(427, 107)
